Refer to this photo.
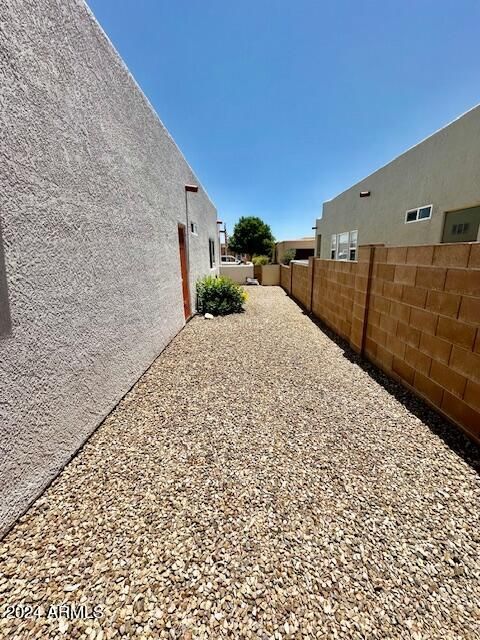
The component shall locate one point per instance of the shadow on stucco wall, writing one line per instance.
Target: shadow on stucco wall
(5, 319)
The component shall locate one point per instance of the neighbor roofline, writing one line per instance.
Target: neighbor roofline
(417, 144)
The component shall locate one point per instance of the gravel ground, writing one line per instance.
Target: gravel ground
(256, 483)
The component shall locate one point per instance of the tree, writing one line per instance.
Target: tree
(288, 256)
(251, 236)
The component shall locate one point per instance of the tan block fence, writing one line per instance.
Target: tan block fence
(413, 311)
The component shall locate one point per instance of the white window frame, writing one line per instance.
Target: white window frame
(194, 228)
(343, 233)
(417, 210)
(334, 242)
(352, 247)
(333, 246)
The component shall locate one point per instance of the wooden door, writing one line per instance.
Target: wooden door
(182, 244)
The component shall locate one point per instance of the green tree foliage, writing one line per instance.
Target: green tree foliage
(259, 260)
(251, 236)
(288, 256)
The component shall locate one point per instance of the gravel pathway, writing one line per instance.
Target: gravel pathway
(256, 483)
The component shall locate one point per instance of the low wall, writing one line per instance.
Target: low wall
(414, 311)
(270, 275)
(334, 294)
(237, 272)
(285, 278)
(301, 282)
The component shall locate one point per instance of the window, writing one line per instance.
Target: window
(460, 229)
(353, 245)
(342, 246)
(333, 248)
(194, 228)
(425, 212)
(421, 213)
(211, 249)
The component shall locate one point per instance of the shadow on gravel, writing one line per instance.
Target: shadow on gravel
(455, 439)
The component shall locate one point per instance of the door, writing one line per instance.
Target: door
(182, 244)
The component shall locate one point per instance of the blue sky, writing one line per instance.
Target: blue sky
(279, 105)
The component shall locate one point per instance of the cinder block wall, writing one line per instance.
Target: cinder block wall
(285, 277)
(423, 324)
(415, 312)
(91, 193)
(300, 283)
(334, 293)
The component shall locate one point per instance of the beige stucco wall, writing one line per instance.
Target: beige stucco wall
(284, 245)
(443, 170)
(270, 274)
(238, 273)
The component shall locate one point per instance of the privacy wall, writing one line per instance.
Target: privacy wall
(414, 311)
(91, 193)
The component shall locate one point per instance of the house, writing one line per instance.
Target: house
(429, 194)
(303, 247)
(104, 231)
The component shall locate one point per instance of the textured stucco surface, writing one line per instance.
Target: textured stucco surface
(443, 170)
(238, 273)
(91, 192)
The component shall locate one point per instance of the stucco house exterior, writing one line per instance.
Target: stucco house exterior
(303, 247)
(429, 194)
(99, 210)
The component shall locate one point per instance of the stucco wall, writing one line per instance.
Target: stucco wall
(285, 245)
(443, 170)
(270, 274)
(91, 192)
(237, 272)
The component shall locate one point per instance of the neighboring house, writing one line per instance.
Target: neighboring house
(304, 248)
(429, 194)
(94, 233)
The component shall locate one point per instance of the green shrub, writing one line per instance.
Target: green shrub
(259, 260)
(288, 256)
(219, 296)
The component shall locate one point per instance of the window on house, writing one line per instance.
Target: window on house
(194, 228)
(421, 213)
(460, 229)
(425, 212)
(211, 248)
(342, 246)
(353, 245)
(333, 248)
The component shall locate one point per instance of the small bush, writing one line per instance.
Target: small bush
(219, 296)
(259, 260)
(288, 256)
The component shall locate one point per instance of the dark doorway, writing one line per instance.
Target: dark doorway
(182, 244)
(304, 254)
